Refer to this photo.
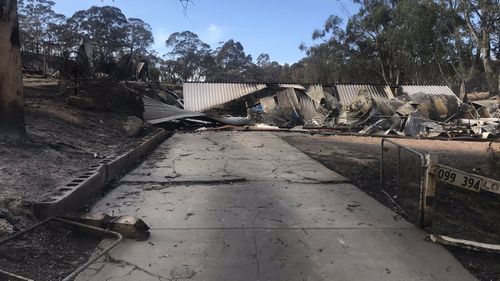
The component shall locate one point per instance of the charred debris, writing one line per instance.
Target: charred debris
(425, 111)
(406, 110)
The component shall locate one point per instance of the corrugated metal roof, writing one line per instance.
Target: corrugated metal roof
(427, 89)
(307, 106)
(288, 101)
(413, 125)
(202, 96)
(347, 92)
(157, 112)
(315, 92)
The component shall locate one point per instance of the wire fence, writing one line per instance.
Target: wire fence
(402, 175)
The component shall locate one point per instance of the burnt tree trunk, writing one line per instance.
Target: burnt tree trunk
(11, 80)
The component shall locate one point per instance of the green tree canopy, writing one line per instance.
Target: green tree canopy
(139, 36)
(39, 24)
(190, 57)
(105, 27)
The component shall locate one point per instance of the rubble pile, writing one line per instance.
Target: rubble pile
(421, 115)
(422, 111)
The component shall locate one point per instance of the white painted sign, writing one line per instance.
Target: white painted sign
(491, 186)
(459, 178)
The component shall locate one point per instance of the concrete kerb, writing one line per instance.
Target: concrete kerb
(81, 190)
(118, 165)
(74, 194)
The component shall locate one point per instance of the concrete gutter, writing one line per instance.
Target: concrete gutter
(81, 190)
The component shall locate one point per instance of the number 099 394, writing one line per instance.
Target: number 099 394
(459, 179)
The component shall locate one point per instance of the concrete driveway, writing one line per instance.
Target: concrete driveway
(248, 206)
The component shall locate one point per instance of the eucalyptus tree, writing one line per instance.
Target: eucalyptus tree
(39, 24)
(139, 36)
(190, 57)
(482, 18)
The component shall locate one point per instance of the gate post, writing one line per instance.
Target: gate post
(429, 190)
(381, 179)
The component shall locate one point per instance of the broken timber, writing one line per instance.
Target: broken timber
(128, 226)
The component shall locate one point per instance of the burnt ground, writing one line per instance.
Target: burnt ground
(457, 213)
(50, 252)
(62, 141)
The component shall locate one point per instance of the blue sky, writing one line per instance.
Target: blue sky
(272, 26)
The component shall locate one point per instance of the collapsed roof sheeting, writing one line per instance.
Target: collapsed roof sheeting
(486, 103)
(202, 96)
(414, 124)
(427, 89)
(294, 86)
(157, 112)
(268, 103)
(315, 92)
(307, 106)
(230, 120)
(347, 92)
(438, 107)
(288, 102)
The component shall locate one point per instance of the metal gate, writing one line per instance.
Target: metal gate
(402, 176)
(403, 169)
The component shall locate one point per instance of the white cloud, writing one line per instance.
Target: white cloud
(213, 34)
(160, 35)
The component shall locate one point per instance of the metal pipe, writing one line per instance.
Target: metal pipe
(24, 231)
(400, 209)
(96, 257)
(82, 267)
(422, 157)
(12, 275)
